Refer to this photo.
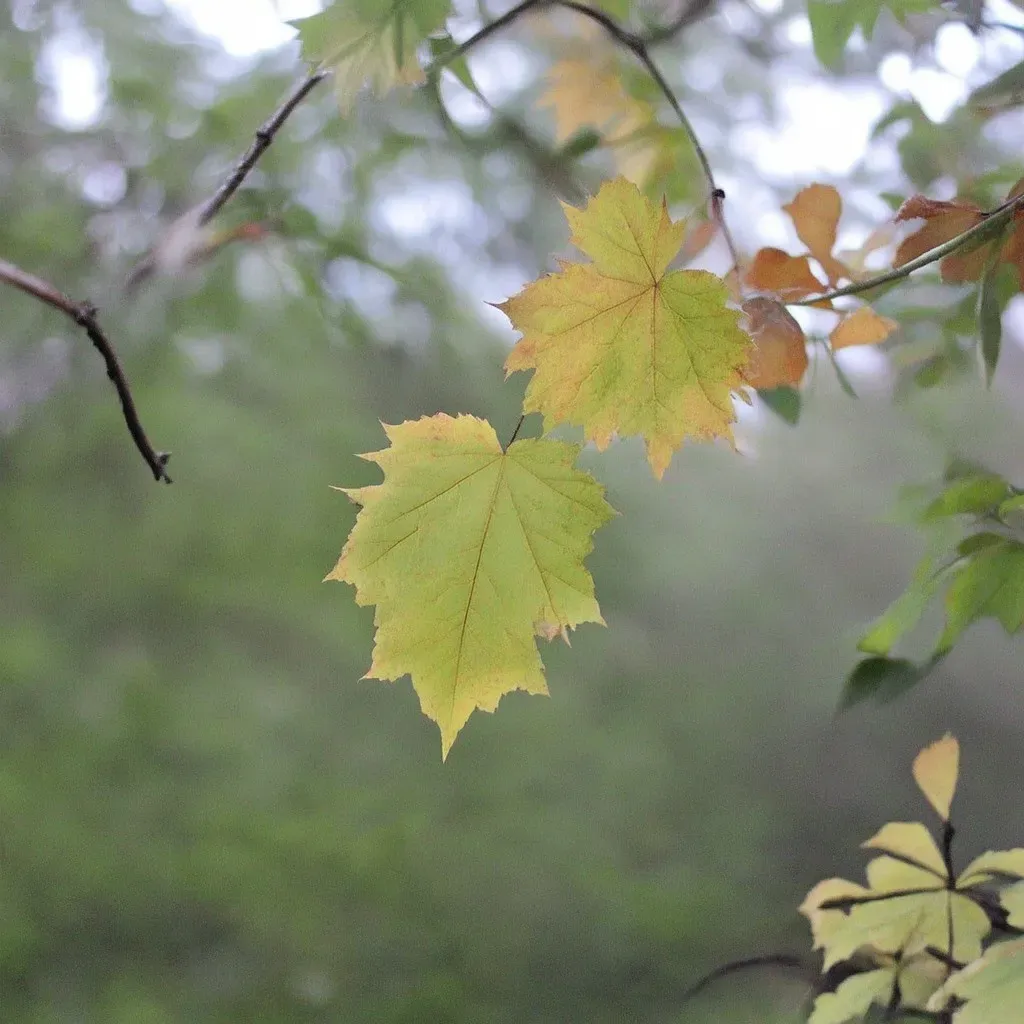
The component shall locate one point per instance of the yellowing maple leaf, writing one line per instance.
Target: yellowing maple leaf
(584, 94)
(468, 553)
(621, 345)
(370, 42)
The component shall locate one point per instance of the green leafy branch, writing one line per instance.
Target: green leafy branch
(982, 573)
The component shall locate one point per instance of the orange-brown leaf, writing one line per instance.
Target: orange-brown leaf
(815, 213)
(780, 352)
(697, 240)
(789, 277)
(943, 220)
(862, 327)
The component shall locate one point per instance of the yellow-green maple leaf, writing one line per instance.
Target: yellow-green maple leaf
(469, 553)
(370, 42)
(623, 346)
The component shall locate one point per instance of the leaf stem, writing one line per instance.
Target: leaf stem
(85, 315)
(515, 433)
(1000, 215)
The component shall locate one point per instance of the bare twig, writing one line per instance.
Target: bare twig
(691, 12)
(84, 314)
(784, 961)
(265, 135)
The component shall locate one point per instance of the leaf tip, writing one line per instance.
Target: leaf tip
(936, 769)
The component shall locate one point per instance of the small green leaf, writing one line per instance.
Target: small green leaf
(832, 24)
(784, 402)
(1011, 511)
(990, 315)
(971, 495)
(1004, 90)
(905, 612)
(990, 584)
(989, 990)
(978, 542)
(881, 679)
(580, 143)
(441, 47)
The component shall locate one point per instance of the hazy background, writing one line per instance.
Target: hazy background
(205, 815)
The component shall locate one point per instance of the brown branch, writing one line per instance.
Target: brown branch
(84, 314)
(265, 135)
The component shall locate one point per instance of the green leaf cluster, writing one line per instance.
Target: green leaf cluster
(976, 561)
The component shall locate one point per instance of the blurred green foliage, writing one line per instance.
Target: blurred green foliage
(204, 814)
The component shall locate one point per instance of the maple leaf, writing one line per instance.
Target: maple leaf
(582, 95)
(621, 345)
(587, 94)
(780, 348)
(815, 212)
(470, 552)
(370, 42)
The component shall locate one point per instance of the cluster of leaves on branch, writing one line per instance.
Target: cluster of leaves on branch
(975, 557)
(468, 550)
(923, 940)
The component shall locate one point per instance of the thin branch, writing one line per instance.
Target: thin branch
(997, 217)
(267, 132)
(84, 314)
(691, 13)
(785, 961)
(506, 19)
(265, 135)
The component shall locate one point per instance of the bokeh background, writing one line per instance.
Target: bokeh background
(205, 814)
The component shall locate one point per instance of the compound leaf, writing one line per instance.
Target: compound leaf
(623, 346)
(470, 552)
